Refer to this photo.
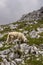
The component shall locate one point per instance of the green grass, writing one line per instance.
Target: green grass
(1, 59)
(29, 28)
(35, 41)
(33, 60)
(4, 38)
(7, 46)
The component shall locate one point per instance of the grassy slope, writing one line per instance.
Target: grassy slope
(29, 28)
(24, 27)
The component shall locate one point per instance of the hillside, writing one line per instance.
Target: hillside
(35, 15)
(31, 53)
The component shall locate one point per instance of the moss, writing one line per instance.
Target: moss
(1, 59)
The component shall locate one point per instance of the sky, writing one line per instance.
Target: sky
(12, 10)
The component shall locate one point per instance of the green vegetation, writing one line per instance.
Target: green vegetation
(6, 46)
(37, 41)
(34, 60)
(3, 38)
(25, 27)
(1, 59)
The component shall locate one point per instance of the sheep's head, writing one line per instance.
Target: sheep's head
(25, 40)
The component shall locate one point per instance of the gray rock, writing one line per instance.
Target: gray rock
(34, 49)
(11, 55)
(5, 52)
(6, 62)
(18, 60)
(13, 63)
(41, 46)
(35, 15)
(40, 30)
(24, 48)
(41, 52)
(25, 32)
(3, 56)
(1, 45)
(33, 34)
(1, 63)
(1, 29)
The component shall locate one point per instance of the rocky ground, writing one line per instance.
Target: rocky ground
(17, 53)
(21, 54)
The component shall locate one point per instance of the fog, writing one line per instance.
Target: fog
(12, 10)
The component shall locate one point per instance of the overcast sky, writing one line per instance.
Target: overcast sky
(12, 10)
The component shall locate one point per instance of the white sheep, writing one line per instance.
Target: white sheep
(16, 35)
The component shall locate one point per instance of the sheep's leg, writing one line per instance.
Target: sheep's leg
(7, 39)
(11, 40)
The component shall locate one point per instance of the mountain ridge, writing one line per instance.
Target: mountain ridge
(35, 15)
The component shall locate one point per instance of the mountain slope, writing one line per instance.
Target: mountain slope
(31, 53)
(35, 15)
(32, 29)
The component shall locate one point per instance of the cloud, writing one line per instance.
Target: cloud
(12, 10)
(2, 3)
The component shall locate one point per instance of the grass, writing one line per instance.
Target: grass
(1, 59)
(35, 41)
(4, 37)
(33, 60)
(25, 27)
(6, 46)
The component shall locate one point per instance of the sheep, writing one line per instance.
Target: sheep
(16, 35)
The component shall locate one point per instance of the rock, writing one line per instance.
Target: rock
(2, 42)
(34, 49)
(1, 29)
(1, 45)
(24, 48)
(18, 60)
(37, 59)
(1, 63)
(16, 25)
(23, 62)
(38, 36)
(33, 34)
(40, 30)
(33, 16)
(5, 52)
(17, 55)
(25, 32)
(11, 55)
(6, 62)
(13, 63)
(1, 35)
(41, 52)
(3, 56)
(17, 46)
(35, 22)
(41, 46)
(20, 29)
(28, 58)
